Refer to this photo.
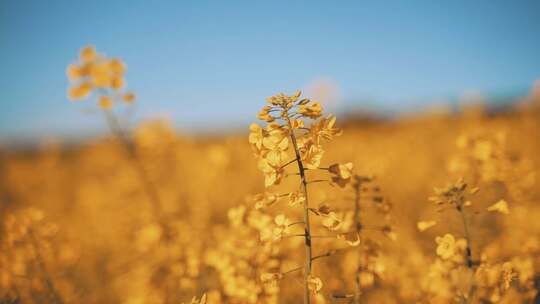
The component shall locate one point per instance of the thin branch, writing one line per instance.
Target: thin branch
(288, 163)
(318, 181)
(296, 223)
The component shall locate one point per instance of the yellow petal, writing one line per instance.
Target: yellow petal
(88, 53)
(500, 206)
(425, 225)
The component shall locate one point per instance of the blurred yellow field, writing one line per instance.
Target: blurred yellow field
(216, 152)
(163, 217)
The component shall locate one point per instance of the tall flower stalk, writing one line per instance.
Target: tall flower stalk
(307, 226)
(358, 228)
(286, 118)
(453, 196)
(95, 73)
(53, 293)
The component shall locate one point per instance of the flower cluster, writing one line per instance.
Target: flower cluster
(496, 274)
(288, 138)
(27, 254)
(247, 263)
(96, 73)
(286, 115)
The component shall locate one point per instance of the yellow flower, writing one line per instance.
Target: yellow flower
(297, 123)
(117, 67)
(79, 92)
(276, 144)
(425, 225)
(281, 220)
(105, 102)
(117, 82)
(236, 215)
(342, 173)
(508, 275)
(279, 100)
(296, 95)
(324, 129)
(256, 135)
(313, 110)
(128, 97)
(446, 246)
(296, 198)
(331, 221)
(272, 174)
(314, 283)
(500, 206)
(282, 226)
(88, 54)
(100, 74)
(73, 72)
(264, 200)
(270, 277)
(311, 154)
(353, 238)
(202, 300)
(265, 115)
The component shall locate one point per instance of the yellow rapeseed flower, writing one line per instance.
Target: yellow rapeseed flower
(105, 102)
(117, 67)
(128, 97)
(276, 145)
(313, 110)
(332, 221)
(425, 225)
(314, 283)
(296, 198)
(88, 54)
(117, 82)
(270, 277)
(272, 174)
(446, 246)
(265, 199)
(79, 92)
(311, 154)
(256, 136)
(341, 173)
(265, 115)
(282, 226)
(500, 206)
(73, 72)
(100, 74)
(324, 129)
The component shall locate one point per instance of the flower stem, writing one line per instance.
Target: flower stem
(358, 226)
(149, 188)
(468, 251)
(307, 236)
(46, 276)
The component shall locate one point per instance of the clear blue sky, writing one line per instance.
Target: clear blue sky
(211, 63)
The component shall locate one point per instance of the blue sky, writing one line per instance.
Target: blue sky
(210, 64)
